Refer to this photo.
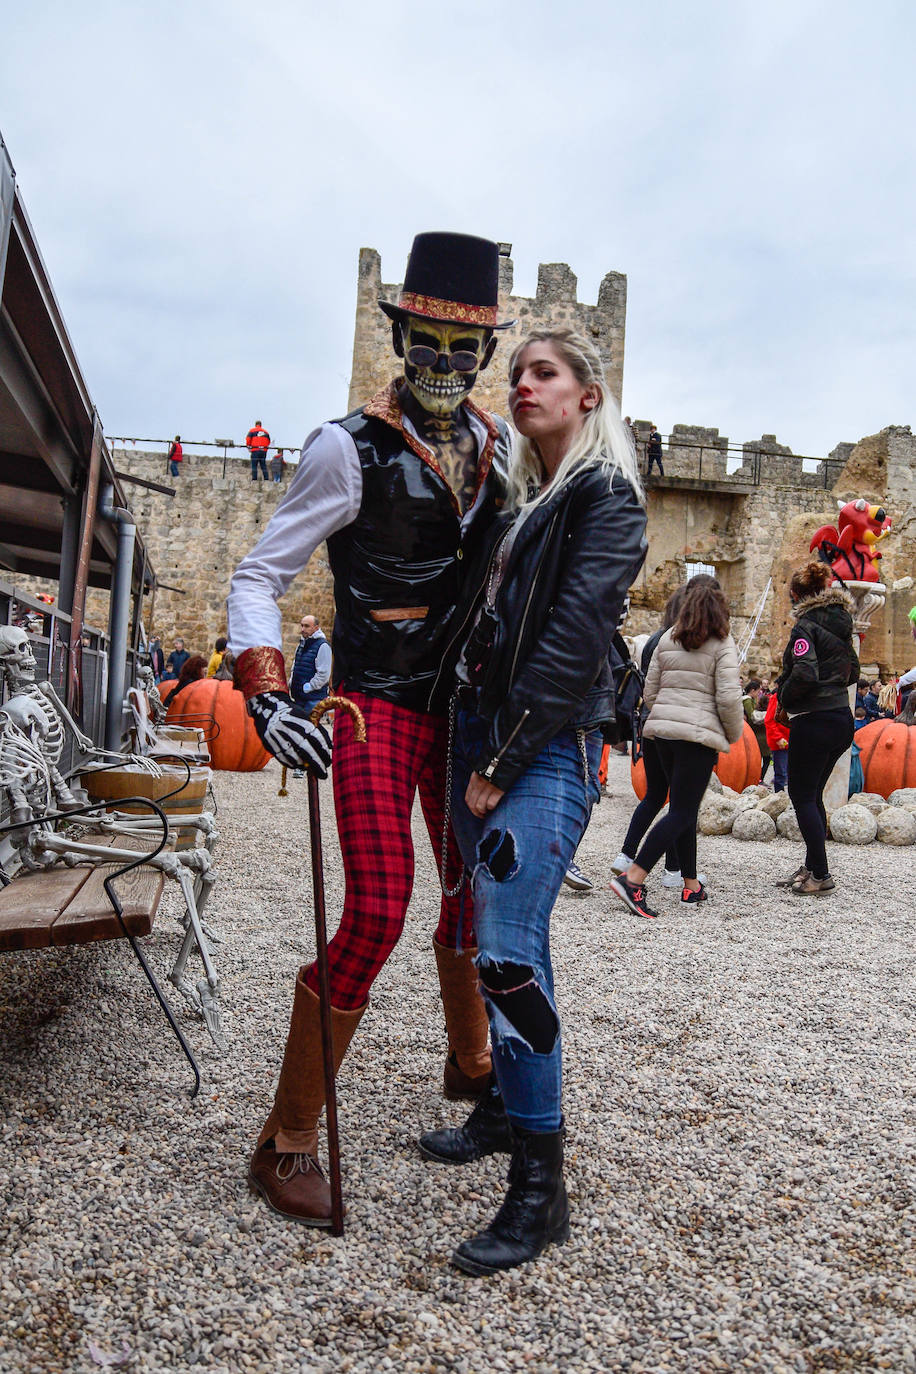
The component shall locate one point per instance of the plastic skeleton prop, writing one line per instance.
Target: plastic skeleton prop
(146, 681)
(38, 710)
(32, 738)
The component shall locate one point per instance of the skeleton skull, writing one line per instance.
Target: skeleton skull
(17, 662)
(439, 388)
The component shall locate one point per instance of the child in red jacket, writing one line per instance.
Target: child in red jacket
(778, 740)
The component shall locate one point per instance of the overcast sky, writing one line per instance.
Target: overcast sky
(202, 176)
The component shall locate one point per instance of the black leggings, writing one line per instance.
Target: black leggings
(817, 740)
(689, 767)
(649, 807)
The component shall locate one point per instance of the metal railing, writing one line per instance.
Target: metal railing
(684, 458)
(227, 447)
(49, 632)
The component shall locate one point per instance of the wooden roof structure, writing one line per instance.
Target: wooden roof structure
(52, 449)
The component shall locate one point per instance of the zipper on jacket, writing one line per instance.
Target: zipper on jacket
(495, 762)
(521, 628)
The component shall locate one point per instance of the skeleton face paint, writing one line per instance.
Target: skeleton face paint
(441, 385)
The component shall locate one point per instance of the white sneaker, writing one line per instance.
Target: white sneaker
(576, 879)
(621, 863)
(672, 878)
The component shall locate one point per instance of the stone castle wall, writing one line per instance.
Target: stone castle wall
(756, 529)
(197, 538)
(766, 533)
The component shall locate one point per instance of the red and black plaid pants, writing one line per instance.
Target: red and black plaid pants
(374, 788)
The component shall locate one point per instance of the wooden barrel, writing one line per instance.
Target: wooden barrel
(113, 784)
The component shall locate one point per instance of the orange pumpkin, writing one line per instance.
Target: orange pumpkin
(166, 688)
(236, 748)
(888, 755)
(738, 767)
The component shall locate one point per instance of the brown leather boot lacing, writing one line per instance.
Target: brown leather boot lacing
(298, 1164)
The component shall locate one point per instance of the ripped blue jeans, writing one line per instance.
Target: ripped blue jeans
(517, 858)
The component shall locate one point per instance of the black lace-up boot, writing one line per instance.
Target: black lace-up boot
(486, 1132)
(534, 1215)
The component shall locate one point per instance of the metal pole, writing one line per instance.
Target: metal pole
(119, 615)
(81, 578)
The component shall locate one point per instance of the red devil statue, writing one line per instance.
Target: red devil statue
(850, 550)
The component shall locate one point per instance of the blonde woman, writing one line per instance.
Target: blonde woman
(534, 691)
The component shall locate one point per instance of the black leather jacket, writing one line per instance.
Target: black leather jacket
(397, 567)
(558, 605)
(819, 663)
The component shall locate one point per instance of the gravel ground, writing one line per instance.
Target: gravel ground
(740, 1095)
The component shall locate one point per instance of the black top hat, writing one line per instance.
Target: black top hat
(452, 277)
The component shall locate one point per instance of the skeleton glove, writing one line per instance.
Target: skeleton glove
(286, 732)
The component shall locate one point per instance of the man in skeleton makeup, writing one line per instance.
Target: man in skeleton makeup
(401, 489)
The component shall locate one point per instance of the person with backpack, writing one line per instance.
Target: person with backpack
(534, 692)
(693, 691)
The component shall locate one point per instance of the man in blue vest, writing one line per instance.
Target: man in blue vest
(311, 673)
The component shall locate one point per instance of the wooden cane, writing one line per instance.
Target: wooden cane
(321, 946)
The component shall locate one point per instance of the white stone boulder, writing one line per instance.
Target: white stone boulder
(775, 804)
(756, 789)
(747, 801)
(872, 801)
(897, 825)
(853, 824)
(729, 792)
(754, 825)
(714, 784)
(904, 796)
(787, 825)
(717, 815)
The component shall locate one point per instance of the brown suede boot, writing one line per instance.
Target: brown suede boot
(467, 1068)
(284, 1168)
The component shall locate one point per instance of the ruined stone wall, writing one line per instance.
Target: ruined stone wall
(749, 533)
(197, 538)
(766, 532)
(556, 303)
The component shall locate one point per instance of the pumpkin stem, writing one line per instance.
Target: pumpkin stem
(283, 792)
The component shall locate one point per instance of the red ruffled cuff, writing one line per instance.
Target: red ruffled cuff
(260, 670)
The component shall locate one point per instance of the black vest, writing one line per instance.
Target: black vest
(397, 567)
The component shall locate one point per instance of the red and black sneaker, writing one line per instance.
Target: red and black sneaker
(689, 896)
(632, 895)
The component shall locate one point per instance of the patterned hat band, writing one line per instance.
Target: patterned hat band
(435, 309)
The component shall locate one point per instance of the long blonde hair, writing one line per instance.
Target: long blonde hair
(604, 441)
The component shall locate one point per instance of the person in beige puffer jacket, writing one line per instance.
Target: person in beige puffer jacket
(694, 693)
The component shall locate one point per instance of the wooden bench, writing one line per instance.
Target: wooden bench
(70, 906)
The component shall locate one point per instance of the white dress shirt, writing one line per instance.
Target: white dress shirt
(323, 496)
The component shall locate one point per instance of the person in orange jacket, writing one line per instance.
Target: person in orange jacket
(778, 740)
(257, 442)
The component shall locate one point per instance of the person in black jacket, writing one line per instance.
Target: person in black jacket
(535, 688)
(819, 665)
